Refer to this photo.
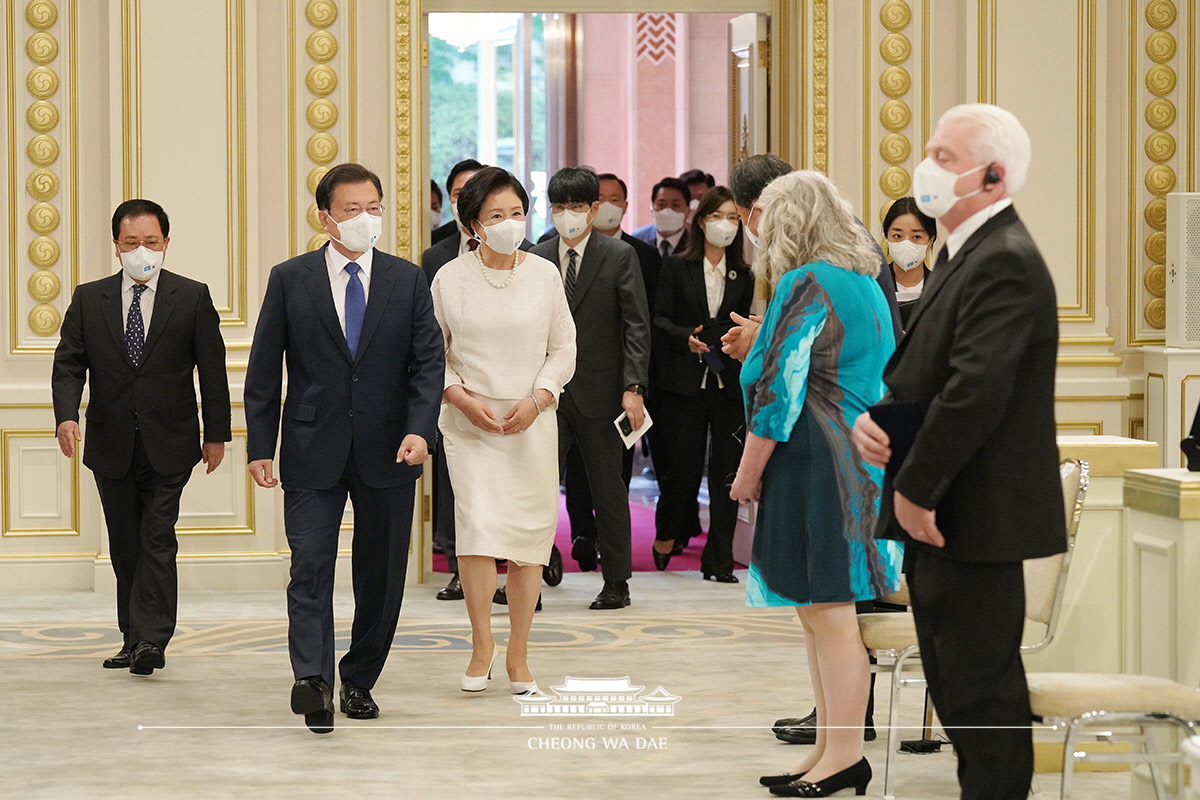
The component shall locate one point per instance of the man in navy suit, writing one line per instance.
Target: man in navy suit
(365, 371)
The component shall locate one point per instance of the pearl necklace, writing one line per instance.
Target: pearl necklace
(484, 268)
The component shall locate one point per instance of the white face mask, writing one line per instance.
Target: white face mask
(359, 234)
(142, 264)
(570, 224)
(435, 218)
(668, 221)
(907, 255)
(454, 209)
(720, 233)
(933, 186)
(751, 235)
(609, 216)
(505, 236)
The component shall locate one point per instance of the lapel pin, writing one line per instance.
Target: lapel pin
(732, 275)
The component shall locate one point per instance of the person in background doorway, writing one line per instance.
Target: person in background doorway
(669, 203)
(909, 234)
(435, 205)
(460, 173)
(698, 182)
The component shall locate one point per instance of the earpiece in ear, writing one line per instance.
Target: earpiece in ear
(990, 176)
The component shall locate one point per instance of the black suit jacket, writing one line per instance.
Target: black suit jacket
(651, 262)
(445, 251)
(337, 405)
(444, 231)
(184, 335)
(979, 358)
(681, 305)
(612, 324)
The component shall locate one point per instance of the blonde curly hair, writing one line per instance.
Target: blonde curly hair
(805, 219)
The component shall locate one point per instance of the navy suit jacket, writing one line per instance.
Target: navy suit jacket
(338, 405)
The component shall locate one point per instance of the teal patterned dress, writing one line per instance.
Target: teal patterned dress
(817, 364)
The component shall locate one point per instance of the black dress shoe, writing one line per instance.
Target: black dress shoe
(145, 658)
(661, 560)
(721, 577)
(583, 550)
(807, 734)
(615, 594)
(452, 590)
(119, 661)
(857, 775)
(792, 722)
(780, 780)
(500, 598)
(313, 698)
(356, 702)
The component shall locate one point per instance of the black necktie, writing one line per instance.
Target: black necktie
(666, 248)
(135, 331)
(572, 272)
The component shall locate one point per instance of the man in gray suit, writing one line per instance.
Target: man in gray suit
(603, 282)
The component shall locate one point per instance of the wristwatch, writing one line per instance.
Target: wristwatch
(636, 389)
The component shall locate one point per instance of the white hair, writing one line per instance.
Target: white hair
(806, 219)
(998, 138)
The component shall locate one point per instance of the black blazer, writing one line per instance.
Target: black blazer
(681, 305)
(337, 404)
(445, 251)
(184, 335)
(651, 262)
(979, 358)
(444, 231)
(612, 324)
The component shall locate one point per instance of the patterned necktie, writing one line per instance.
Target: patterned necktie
(356, 308)
(572, 272)
(135, 329)
(666, 248)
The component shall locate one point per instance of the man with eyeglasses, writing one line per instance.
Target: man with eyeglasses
(365, 371)
(135, 338)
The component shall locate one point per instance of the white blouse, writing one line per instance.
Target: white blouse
(505, 343)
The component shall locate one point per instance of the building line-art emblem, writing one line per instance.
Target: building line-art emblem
(601, 697)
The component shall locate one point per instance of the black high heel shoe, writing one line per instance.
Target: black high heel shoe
(857, 775)
(661, 559)
(780, 780)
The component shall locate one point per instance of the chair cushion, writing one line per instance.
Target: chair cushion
(1070, 694)
(887, 631)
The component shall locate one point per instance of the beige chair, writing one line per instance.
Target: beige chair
(892, 638)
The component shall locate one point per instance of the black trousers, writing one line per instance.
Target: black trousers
(603, 460)
(140, 511)
(580, 508)
(969, 620)
(379, 558)
(684, 427)
(443, 507)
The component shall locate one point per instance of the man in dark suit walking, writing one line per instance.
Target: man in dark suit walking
(460, 173)
(136, 338)
(365, 371)
(607, 298)
(978, 491)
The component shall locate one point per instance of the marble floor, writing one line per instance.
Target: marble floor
(215, 722)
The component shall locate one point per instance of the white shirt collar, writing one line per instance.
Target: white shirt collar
(718, 267)
(673, 239)
(579, 248)
(971, 224)
(127, 282)
(335, 262)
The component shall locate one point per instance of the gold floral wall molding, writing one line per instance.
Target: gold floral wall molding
(894, 98)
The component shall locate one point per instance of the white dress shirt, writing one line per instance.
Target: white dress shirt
(339, 279)
(714, 284)
(564, 260)
(906, 293)
(464, 242)
(971, 224)
(147, 302)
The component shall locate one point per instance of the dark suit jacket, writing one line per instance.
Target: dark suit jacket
(612, 324)
(444, 231)
(184, 335)
(337, 405)
(979, 358)
(445, 251)
(651, 261)
(681, 305)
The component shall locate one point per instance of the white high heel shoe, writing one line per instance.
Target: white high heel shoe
(477, 683)
(523, 687)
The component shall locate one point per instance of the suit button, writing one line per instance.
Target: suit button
(351, 413)
(354, 379)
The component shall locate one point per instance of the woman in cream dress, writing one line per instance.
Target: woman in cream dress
(510, 349)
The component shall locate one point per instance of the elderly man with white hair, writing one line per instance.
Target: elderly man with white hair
(977, 491)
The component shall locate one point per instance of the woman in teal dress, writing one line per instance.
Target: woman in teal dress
(816, 364)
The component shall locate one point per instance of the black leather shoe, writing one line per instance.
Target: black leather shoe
(857, 775)
(145, 658)
(721, 577)
(452, 590)
(583, 550)
(792, 722)
(661, 560)
(313, 698)
(119, 661)
(356, 702)
(807, 734)
(615, 594)
(500, 598)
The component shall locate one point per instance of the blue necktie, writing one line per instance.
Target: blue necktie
(356, 308)
(135, 333)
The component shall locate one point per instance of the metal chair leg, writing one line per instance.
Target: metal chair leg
(1068, 768)
(893, 735)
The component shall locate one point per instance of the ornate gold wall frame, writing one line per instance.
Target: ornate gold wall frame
(229, 530)
(6, 472)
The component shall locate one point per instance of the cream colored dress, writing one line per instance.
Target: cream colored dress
(501, 345)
